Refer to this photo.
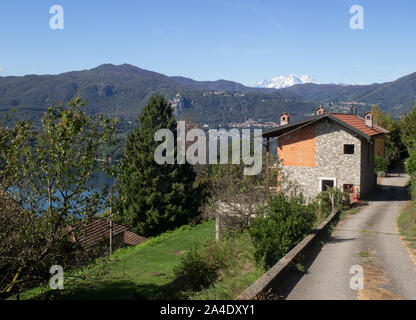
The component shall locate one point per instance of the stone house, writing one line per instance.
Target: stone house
(328, 149)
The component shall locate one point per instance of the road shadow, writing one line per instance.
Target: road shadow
(109, 289)
(390, 193)
(387, 192)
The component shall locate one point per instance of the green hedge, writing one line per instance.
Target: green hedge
(413, 187)
(287, 221)
(411, 164)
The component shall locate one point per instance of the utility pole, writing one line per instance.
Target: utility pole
(109, 161)
(111, 223)
(267, 169)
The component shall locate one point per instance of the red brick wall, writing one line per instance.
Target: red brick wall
(297, 149)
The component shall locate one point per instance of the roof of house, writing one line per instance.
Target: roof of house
(132, 239)
(359, 124)
(99, 228)
(349, 121)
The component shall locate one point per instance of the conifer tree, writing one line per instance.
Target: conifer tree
(154, 198)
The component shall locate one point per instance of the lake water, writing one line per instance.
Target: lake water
(99, 181)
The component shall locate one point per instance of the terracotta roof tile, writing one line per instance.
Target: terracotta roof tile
(348, 120)
(100, 228)
(132, 239)
(359, 124)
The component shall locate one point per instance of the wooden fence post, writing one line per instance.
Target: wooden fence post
(111, 223)
(267, 169)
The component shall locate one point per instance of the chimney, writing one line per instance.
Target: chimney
(284, 118)
(369, 119)
(320, 110)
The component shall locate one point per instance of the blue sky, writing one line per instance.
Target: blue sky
(240, 40)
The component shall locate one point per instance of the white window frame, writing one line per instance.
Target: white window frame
(326, 178)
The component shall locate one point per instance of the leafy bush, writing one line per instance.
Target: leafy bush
(199, 267)
(413, 187)
(411, 163)
(324, 205)
(341, 201)
(286, 223)
(380, 164)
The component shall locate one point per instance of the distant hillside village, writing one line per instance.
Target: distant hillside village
(178, 104)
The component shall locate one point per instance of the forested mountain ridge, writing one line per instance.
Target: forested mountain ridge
(123, 90)
(396, 97)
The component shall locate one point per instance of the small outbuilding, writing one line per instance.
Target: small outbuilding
(98, 232)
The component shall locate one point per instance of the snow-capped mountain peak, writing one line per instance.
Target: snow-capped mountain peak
(285, 81)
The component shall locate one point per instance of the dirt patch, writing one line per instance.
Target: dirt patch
(247, 267)
(373, 280)
(178, 253)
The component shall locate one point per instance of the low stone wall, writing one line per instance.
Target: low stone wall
(282, 275)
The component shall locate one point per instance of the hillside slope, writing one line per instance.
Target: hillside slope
(396, 96)
(123, 90)
(109, 88)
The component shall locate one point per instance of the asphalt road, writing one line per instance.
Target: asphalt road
(368, 239)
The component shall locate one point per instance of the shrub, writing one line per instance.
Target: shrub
(286, 223)
(380, 164)
(199, 267)
(341, 201)
(324, 206)
(413, 187)
(411, 163)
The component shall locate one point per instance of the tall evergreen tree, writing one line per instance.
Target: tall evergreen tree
(154, 198)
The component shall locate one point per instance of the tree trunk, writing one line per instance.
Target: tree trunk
(49, 198)
(331, 197)
(217, 226)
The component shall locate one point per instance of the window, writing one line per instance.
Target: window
(348, 149)
(348, 188)
(327, 183)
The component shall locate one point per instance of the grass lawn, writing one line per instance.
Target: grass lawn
(407, 225)
(146, 271)
(240, 273)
